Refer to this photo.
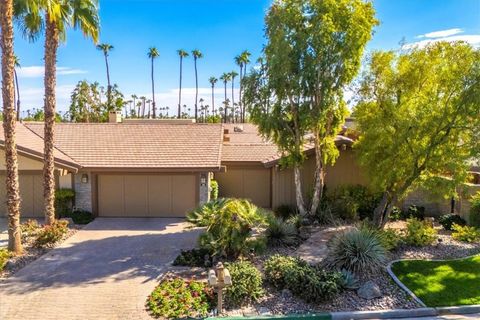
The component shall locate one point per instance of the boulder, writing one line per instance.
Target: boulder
(369, 290)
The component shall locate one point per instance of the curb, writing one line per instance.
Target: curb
(401, 285)
(475, 308)
(385, 314)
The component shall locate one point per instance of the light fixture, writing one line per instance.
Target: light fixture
(84, 178)
(203, 179)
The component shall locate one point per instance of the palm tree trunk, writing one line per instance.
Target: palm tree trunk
(180, 90)
(18, 94)
(154, 110)
(243, 109)
(109, 87)
(51, 46)
(233, 100)
(225, 107)
(240, 95)
(213, 100)
(9, 123)
(196, 89)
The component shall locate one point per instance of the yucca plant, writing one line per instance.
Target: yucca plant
(280, 232)
(356, 250)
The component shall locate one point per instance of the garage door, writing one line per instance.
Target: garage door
(248, 183)
(31, 193)
(146, 195)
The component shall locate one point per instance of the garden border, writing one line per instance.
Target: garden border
(417, 299)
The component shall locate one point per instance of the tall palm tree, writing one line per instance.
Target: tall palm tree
(106, 48)
(245, 57)
(144, 99)
(59, 15)
(239, 62)
(17, 65)
(153, 54)
(233, 74)
(196, 55)
(182, 54)
(225, 77)
(213, 81)
(9, 123)
(134, 98)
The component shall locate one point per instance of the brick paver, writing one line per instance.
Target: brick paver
(104, 271)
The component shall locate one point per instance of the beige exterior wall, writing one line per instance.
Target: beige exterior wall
(31, 194)
(24, 163)
(65, 181)
(247, 182)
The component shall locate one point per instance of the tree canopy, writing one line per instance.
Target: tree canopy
(419, 117)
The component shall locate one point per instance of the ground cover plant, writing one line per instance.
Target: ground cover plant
(179, 298)
(465, 233)
(419, 233)
(197, 257)
(246, 283)
(51, 234)
(442, 283)
(4, 256)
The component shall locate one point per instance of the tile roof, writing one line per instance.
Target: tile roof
(139, 145)
(30, 144)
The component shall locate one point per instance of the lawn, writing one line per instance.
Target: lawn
(442, 283)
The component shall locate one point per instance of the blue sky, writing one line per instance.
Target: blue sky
(220, 29)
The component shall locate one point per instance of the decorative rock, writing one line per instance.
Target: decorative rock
(264, 311)
(369, 290)
(286, 294)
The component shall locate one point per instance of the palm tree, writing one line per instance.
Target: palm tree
(245, 58)
(213, 81)
(152, 54)
(134, 98)
(106, 48)
(182, 54)
(144, 99)
(9, 123)
(233, 74)
(225, 77)
(196, 55)
(17, 65)
(59, 15)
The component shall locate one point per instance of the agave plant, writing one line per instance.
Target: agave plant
(280, 232)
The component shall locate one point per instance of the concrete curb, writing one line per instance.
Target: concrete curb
(385, 314)
(459, 310)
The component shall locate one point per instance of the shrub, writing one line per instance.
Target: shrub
(396, 214)
(414, 212)
(213, 189)
(465, 233)
(193, 258)
(64, 201)
(256, 245)
(51, 234)
(81, 216)
(30, 228)
(229, 224)
(419, 233)
(353, 202)
(285, 211)
(280, 232)
(4, 256)
(349, 281)
(246, 283)
(178, 298)
(309, 283)
(390, 238)
(475, 210)
(356, 250)
(447, 220)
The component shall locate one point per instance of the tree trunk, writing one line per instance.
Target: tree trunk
(213, 100)
(233, 101)
(243, 109)
(383, 209)
(18, 94)
(225, 107)
(51, 46)
(180, 91)
(196, 89)
(240, 111)
(109, 87)
(319, 179)
(9, 124)
(154, 109)
(298, 190)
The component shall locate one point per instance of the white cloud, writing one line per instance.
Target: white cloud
(473, 39)
(441, 33)
(38, 71)
(33, 97)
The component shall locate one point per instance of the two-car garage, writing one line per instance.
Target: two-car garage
(146, 195)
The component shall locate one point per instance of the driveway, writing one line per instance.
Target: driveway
(104, 271)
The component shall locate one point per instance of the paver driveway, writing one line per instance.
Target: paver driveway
(104, 271)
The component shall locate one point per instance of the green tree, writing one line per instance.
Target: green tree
(213, 81)
(106, 48)
(182, 54)
(314, 50)
(196, 55)
(56, 16)
(153, 54)
(242, 60)
(419, 119)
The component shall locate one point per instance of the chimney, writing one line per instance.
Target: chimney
(115, 117)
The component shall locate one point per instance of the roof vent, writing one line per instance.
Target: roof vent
(115, 117)
(238, 128)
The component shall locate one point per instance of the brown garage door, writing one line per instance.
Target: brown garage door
(146, 195)
(31, 193)
(248, 183)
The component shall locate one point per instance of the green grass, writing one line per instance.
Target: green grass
(442, 283)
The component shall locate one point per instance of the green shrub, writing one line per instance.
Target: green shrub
(64, 201)
(419, 233)
(193, 258)
(51, 234)
(81, 216)
(256, 245)
(475, 210)
(353, 202)
(30, 228)
(213, 190)
(414, 212)
(390, 238)
(178, 298)
(4, 256)
(356, 250)
(447, 220)
(285, 211)
(312, 284)
(228, 223)
(246, 283)
(349, 281)
(465, 233)
(396, 214)
(280, 232)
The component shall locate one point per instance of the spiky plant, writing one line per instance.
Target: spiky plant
(280, 232)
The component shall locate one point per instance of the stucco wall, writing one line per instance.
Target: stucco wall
(24, 163)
